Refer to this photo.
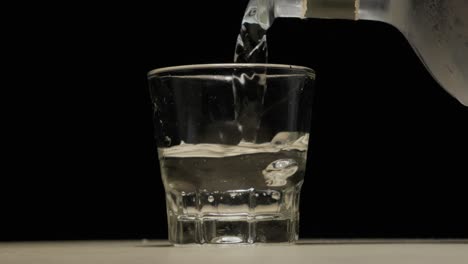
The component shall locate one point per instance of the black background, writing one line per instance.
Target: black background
(388, 152)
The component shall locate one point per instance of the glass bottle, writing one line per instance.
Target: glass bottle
(436, 29)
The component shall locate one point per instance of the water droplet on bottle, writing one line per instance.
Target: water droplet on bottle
(210, 199)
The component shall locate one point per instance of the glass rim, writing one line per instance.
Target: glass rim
(228, 65)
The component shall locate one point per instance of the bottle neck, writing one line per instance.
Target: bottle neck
(336, 9)
(392, 12)
(378, 10)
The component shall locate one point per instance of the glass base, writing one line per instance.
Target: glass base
(229, 230)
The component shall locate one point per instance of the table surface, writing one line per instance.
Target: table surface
(306, 251)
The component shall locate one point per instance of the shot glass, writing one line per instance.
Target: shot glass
(232, 144)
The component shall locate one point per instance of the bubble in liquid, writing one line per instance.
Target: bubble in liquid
(226, 240)
(283, 138)
(278, 171)
(276, 195)
(210, 199)
(167, 141)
